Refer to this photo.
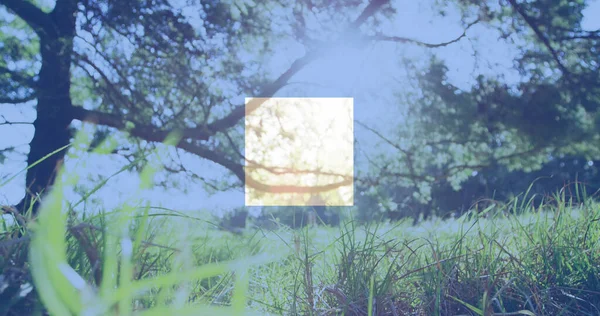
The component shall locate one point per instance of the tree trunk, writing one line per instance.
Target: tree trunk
(54, 108)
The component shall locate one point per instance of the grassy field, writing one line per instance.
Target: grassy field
(150, 262)
(509, 259)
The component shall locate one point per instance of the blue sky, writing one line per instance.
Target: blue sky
(370, 75)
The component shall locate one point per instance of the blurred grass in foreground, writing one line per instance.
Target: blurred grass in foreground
(507, 259)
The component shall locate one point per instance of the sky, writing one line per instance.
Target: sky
(368, 74)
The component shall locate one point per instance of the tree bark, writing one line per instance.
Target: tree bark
(54, 108)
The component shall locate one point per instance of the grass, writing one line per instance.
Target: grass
(510, 259)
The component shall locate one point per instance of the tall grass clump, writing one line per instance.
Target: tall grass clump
(516, 258)
(105, 264)
(506, 259)
(512, 259)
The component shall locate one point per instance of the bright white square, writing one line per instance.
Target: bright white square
(299, 151)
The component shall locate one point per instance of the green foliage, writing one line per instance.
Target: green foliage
(508, 258)
(455, 136)
(19, 62)
(147, 68)
(62, 267)
(151, 67)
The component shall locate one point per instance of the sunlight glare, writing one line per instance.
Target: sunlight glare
(299, 142)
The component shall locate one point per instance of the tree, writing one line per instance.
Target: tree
(496, 124)
(144, 68)
(148, 68)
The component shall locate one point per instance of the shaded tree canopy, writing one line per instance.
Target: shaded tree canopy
(498, 125)
(145, 68)
(149, 68)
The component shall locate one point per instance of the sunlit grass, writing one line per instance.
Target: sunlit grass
(507, 259)
(119, 245)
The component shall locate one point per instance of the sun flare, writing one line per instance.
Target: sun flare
(300, 142)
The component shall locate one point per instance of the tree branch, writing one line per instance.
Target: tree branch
(64, 15)
(266, 92)
(238, 170)
(269, 90)
(7, 122)
(407, 153)
(398, 39)
(206, 131)
(151, 134)
(532, 24)
(371, 8)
